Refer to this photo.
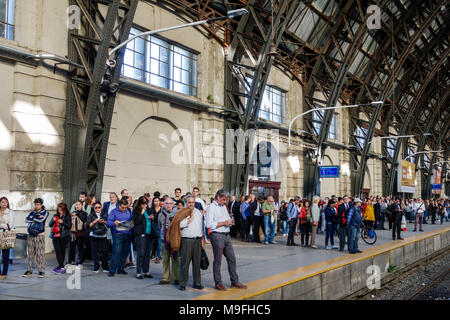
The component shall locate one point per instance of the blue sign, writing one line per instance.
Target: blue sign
(436, 186)
(329, 172)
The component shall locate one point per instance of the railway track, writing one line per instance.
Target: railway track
(430, 285)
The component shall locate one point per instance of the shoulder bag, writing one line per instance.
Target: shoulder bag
(7, 239)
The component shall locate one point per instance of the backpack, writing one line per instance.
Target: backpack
(283, 215)
(77, 224)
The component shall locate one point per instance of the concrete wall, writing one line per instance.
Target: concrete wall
(343, 280)
(33, 110)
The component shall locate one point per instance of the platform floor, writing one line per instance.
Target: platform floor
(255, 264)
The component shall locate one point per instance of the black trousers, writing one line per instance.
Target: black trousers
(77, 245)
(190, 250)
(144, 245)
(88, 249)
(292, 223)
(396, 225)
(258, 222)
(245, 228)
(100, 247)
(60, 245)
(305, 231)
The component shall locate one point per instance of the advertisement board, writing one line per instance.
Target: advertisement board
(436, 186)
(406, 177)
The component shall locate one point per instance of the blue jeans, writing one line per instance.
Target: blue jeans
(121, 249)
(268, 227)
(425, 217)
(331, 230)
(353, 235)
(285, 226)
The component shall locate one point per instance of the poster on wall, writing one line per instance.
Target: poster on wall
(436, 186)
(406, 177)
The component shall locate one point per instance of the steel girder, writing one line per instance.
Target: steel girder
(387, 86)
(336, 83)
(426, 192)
(91, 93)
(247, 101)
(411, 111)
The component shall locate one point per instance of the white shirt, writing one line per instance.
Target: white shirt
(7, 219)
(215, 214)
(420, 207)
(193, 229)
(200, 200)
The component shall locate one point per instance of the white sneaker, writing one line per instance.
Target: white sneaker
(334, 247)
(285, 235)
(328, 247)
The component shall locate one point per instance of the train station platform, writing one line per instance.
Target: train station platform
(271, 272)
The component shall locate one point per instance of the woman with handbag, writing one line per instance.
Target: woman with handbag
(6, 224)
(61, 223)
(155, 211)
(143, 236)
(78, 233)
(99, 242)
(305, 224)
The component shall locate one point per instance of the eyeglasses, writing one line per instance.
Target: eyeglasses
(97, 207)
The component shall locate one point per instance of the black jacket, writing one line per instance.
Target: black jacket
(395, 214)
(140, 223)
(93, 216)
(343, 214)
(253, 207)
(64, 227)
(83, 217)
(377, 211)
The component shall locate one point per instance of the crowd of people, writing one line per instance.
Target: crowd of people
(122, 233)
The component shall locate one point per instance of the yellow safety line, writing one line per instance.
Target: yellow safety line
(230, 293)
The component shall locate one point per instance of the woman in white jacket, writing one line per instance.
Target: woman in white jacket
(6, 223)
(315, 216)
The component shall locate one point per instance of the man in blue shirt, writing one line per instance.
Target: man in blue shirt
(292, 213)
(354, 219)
(120, 221)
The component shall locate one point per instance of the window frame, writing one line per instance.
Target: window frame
(168, 77)
(10, 20)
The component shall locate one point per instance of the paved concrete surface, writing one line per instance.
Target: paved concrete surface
(254, 261)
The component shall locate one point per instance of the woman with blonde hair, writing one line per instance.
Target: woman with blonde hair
(315, 216)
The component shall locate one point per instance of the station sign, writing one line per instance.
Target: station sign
(329, 171)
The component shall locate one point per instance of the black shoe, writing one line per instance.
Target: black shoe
(400, 238)
(182, 288)
(148, 276)
(199, 287)
(140, 277)
(393, 238)
(122, 272)
(358, 251)
(41, 274)
(414, 230)
(352, 252)
(176, 282)
(421, 230)
(163, 282)
(110, 274)
(27, 274)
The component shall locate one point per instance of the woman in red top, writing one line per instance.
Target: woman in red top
(60, 224)
(305, 223)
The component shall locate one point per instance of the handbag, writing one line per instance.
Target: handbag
(7, 239)
(204, 263)
(403, 224)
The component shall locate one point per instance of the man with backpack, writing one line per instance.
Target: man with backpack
(36, 237)
(343, 210)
